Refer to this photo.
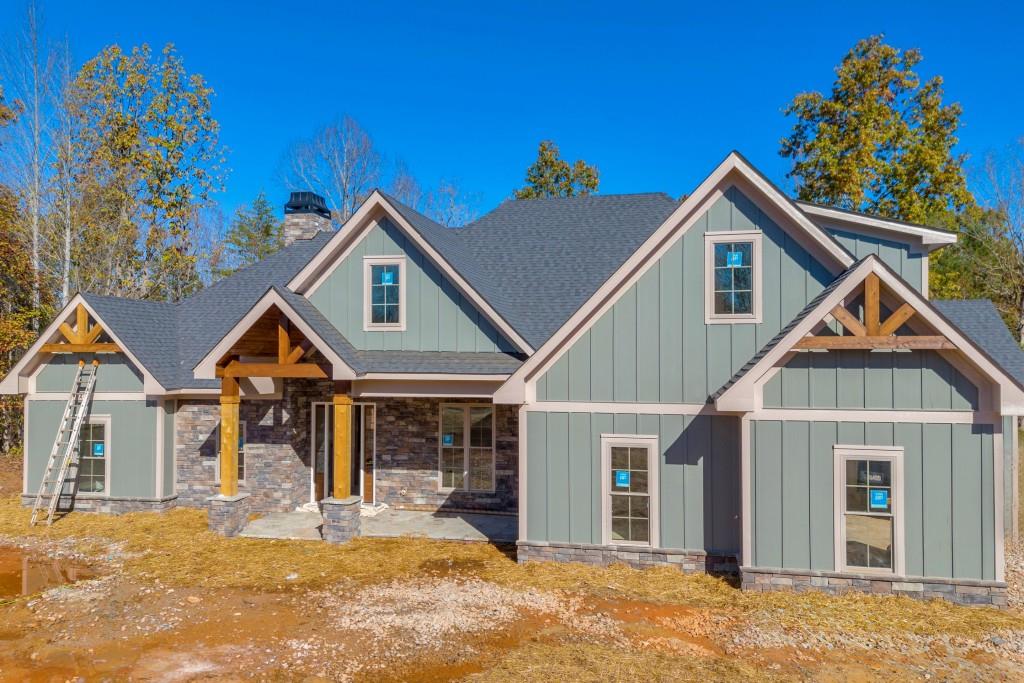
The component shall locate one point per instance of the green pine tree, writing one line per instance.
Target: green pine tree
(255, 234)
(552, 176)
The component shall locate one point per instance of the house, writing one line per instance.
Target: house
(732, 382)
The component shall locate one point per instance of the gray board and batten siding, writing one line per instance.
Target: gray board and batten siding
(438, 316)
(699, 484)
(115, 374)
(654, 346)
(948, 486)
(904, 260)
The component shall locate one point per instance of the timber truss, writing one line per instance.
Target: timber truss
(82, 338)
(873, 332)
(272, 336)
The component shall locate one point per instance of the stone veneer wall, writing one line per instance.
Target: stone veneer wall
(687, 561)
(277, 448)
(961, 591)
(110, 505)
(408, 458)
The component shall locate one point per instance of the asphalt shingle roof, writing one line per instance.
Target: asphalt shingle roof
(981, 322)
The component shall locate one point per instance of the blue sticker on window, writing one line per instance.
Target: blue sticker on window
(448, 439)
(622, 478)
(97, 450)
(734, 259)
(879, 499)
(387, 277)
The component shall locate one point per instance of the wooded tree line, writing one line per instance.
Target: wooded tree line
(109, 171)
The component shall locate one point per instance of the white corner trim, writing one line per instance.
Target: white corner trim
(352, 232)
(17, 380)
(746, 497)
(24, 448)
(650, 442)
(732, 171)
(893, 454)
(207, 367)
(368, 263)
(925, 235)
(998, 497)
(160, 455)
(523, 447)
(710, 240)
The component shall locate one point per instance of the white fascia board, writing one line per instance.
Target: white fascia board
(207, 367)
(17, 380)
(350, 234)
(520, 386)
(927, 236)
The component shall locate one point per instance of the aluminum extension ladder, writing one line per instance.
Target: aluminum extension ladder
(64, 454)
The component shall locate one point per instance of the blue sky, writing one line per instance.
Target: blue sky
(653, 94)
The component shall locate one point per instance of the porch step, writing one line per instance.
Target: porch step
(300, 525)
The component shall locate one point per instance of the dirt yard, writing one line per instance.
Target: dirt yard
(169, 601)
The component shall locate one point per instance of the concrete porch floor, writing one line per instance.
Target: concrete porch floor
(453, 526)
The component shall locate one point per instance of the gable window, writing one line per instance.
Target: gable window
(467, 447)
(733, 276)
(241, 453)
(384, 284)
(93, 455)
(629, 476)
(869, 522)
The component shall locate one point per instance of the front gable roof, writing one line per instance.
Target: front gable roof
(741, 392)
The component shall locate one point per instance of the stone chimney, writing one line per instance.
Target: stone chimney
(305, 215)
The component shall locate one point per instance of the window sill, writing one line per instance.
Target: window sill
(383, 328)
(748, 319)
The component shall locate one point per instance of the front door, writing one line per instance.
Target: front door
(364, 441)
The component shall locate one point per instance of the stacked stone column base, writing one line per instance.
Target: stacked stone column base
(341, 519)
(687, 561)
(228, 515)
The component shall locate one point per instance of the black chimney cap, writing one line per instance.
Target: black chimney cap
(307, 202)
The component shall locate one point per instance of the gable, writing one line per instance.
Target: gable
(654, 345)
(438, 316)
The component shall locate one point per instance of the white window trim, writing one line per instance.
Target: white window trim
(368, 263)
(106, 422)
(245, 462)
(894, 454)
(710, 240)
(465, 447)
(654, 463)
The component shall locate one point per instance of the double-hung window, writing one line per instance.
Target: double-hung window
(733, 276)
(467, 448)
(629, 474)
(869, 521)
(384, 295)
(93, 455)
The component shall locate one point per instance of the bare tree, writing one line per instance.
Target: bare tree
(28, 64)
(404, 186)
(67, 167)
(340, 162)
(450, 206)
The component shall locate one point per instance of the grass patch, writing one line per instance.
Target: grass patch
(176, 548)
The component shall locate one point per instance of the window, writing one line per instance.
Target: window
(93, 454)
(629, 489)
(384, 306)
(467, 447)
(868, 509)
(241, 453)
(733, 279)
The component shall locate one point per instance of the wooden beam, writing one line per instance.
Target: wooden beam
(876, 342)
(847, 320)
(298, 352)
(296, 370)
(103, 347)
(69, 334)
(896, 320)
(81, 322)
(342, 481)
(93, 334)
(284, 344)
(871, 304)
(229, 398)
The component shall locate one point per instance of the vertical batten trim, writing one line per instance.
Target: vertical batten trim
(997, 499)
(745, 491)
(24, 447)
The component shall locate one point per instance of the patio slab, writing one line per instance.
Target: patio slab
(299, 525)
(453, 526)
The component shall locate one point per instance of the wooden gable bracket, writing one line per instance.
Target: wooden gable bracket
(873, 333)
(82, 338)
(287, 365)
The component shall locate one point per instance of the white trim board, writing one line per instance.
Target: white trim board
(932, 237)
(734, 171)
(877, 416)
(624, 408)
(355, 229)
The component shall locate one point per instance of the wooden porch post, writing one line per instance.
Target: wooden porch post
(229, 436)
(342, 485)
